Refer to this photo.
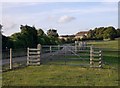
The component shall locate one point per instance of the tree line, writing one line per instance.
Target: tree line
(30, 37)
(102, 33)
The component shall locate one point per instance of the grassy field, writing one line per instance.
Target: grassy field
(53, 75)
(106, 44)
(65, 75)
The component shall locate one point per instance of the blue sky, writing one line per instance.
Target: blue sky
(66, 17)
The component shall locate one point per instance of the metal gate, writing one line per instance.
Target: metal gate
(78, 54)
(65, 55)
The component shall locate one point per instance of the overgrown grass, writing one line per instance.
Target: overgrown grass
(66, 75)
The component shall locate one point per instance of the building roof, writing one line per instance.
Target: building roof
(81, 33)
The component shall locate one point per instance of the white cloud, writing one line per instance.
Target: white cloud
(48, 18)
(8, 24)
(65, 19)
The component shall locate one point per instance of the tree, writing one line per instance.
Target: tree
(0, 35)
(6, 42)
(118, 33)
(110, 33)
(103, 33)
(40, 32)
(29, 35)
(26, 38)
(0, 28)
(99, 32)
(43, 38)
(90, 34)
(18, 41)
(52, 33)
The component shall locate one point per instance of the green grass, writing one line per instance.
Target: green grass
(66, 75)
(53, 75)
(106, 44)
(110, 52)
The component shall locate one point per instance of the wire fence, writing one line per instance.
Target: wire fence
(15, 53)
(18, 58)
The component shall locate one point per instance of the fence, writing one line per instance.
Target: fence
(33, 55)
(95, 58)
(13, 58)
(53, 54)
(70, 55)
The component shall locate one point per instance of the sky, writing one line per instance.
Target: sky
(65, 17)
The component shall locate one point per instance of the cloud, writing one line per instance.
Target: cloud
(66, 19)
(10, 28)
(9, 25)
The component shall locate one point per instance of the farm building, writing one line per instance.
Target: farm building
(82, 34)
(65, 37)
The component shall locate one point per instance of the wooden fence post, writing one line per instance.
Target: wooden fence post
(76, 46)
(38, 52)
(85, 45)
(100, 59)
(91, 56)
(50, 49)
(10, 58)
(65, 56)
(27, 56)
(58, 47)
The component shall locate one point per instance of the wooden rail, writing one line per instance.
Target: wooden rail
(95, 57)
(33, 55)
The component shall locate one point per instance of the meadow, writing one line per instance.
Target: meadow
(66, 75)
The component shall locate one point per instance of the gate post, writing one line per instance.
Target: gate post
(38, 52)
(100, 59)
(91, 56)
